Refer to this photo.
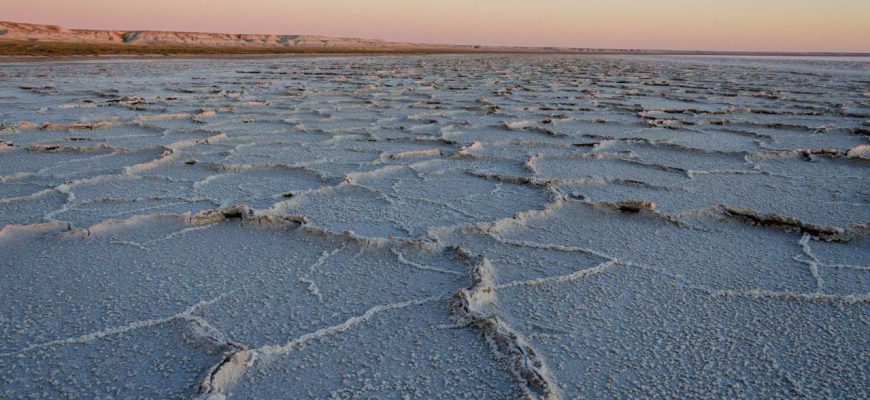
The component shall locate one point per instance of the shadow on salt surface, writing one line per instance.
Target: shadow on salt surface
(113, 135)
(826, 191)
(64, 164)
(513, 262)
(102, 165)
(30, 208)
(106, 197)
(118, 196)
(676, 156)
(708, 250)
(90, 213)
(164, 361)
(20, 160)
(602, 167)
(255, 186)
(609, 131)
(787, 138)
(843, 267)
(629, 332)
(709, 139)
(127, 188)
(261, 127)
(349, 208)
(516, 152)
(21, 186)
(332, 163)
(408, 352)
(502, 132)
(259, 282)
(855, 253)
(405, 201)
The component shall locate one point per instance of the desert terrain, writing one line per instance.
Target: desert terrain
(439, 226)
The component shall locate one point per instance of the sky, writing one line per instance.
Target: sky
(750, 25)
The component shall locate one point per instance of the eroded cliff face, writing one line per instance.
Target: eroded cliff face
(16, 31)
(435, 227)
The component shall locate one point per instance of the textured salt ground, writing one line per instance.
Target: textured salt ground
(630, 332)
(435, 227)
(413, 353)
(824, 191)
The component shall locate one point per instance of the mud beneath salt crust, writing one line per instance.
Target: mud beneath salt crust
(435, 227)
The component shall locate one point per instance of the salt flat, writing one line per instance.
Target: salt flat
(479, 226)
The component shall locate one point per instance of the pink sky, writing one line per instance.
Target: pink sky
(786, 25)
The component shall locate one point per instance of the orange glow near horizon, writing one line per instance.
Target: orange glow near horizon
(760, 25)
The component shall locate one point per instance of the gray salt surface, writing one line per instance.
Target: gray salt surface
(435, 227)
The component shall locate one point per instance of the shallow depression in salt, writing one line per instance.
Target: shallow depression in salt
(435, 227)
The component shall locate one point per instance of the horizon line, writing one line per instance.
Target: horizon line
(473, 46)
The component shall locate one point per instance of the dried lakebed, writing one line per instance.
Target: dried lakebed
(435, 227)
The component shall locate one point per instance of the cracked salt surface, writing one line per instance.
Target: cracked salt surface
(435, 227)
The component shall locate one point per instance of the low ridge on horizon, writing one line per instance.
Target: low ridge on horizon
(29, 32)
(48, 39)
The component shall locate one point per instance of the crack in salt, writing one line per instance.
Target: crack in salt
(812, 263)
(476, 306)
(583, 273)
(402, 260)
(186, 315)
(225, 374)
(311, 285)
